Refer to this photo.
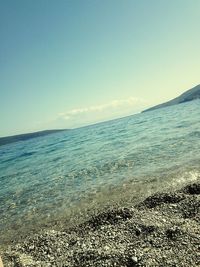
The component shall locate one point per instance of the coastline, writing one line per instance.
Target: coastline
(162, 230)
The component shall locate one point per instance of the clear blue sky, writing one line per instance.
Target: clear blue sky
(66, 63)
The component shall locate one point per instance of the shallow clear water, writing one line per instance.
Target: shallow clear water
(43, 178)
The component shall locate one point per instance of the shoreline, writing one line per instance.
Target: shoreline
(125, 194)
(162, 230)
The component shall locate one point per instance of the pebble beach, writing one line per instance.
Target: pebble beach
(162, 230)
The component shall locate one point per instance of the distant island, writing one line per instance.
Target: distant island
(189, 95)
(23, 137)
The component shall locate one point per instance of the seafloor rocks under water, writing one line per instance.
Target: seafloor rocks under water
(163, 230)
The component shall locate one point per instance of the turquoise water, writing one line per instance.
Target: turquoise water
(43, 178)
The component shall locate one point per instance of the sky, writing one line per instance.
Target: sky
(70, 63)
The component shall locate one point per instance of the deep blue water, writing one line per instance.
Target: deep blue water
(44, 177)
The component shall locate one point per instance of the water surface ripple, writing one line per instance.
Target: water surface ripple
(42, 178)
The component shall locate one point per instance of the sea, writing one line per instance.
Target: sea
(58, 179)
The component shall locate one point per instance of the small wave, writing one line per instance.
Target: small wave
(62, 141)
(8, 160)
(181, 126)
(23, 155)
(139, 122)
(57, 159)
(52, 150)
(26, 154)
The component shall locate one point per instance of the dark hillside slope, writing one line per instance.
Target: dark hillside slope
(23, 137)
(189, 95)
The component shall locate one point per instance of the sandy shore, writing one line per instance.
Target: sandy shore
(163, 230)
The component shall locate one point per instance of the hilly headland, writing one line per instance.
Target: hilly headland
(27, 136)
(189, 95)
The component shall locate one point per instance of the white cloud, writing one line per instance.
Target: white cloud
(105, 110)
(81, 116)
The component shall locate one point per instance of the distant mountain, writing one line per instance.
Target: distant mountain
(189, 95)
(23, 137)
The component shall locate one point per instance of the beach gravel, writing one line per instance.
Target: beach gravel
(163, 230)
